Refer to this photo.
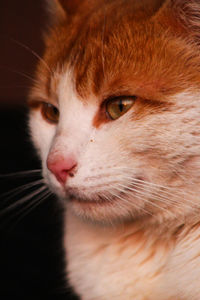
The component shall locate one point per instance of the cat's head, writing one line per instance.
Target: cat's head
(115, 111)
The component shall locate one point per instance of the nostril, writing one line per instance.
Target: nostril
(71, 174)
(62, 167)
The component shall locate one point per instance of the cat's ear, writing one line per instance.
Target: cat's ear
(70, 6)
(183, 16)
(59, 9)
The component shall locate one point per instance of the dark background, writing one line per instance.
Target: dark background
(31, 254)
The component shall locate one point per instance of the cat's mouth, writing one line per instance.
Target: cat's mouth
(101, 204)
(94, 199)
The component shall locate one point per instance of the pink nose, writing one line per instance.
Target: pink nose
(61, 167)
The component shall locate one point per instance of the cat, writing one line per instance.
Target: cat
(115, 119)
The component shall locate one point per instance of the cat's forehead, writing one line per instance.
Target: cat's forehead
(114, 53)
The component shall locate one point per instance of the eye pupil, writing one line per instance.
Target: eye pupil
(55, 111)
(121, 106)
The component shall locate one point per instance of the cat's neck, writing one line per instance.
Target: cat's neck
(145, 226)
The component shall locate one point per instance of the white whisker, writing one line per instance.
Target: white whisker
(173, 198)
(168, 192)
(33, 53)
(155, 196)
(22, 201)
(159, 194)
(128, 191)
(14, 192)
(31, 206)
(23, 74)
(21, 173)
(148, 183)
(28, 208)
(127, 201)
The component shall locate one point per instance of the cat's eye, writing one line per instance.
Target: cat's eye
(117, 107)
(50, 113)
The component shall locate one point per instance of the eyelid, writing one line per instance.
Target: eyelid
(36, 103)
(117, 97)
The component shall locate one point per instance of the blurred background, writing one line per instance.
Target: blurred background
(31, 254)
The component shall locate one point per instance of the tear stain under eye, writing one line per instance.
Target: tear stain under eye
(100, 117)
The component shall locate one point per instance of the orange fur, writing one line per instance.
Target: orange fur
(148, 49)
(86, 46)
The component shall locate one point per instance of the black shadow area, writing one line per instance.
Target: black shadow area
(31, 254)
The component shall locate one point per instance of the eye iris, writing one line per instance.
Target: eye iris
(50, 113)
(118, 107)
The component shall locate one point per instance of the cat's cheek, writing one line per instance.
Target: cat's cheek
(42, 134)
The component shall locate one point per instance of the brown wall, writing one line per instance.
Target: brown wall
(23, 21)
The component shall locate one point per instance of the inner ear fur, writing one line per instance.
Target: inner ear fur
(183, 16)
(60, 9)
(69, 7)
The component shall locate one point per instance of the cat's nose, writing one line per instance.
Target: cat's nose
(62, 167)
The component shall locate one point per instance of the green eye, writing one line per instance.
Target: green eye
(50, 113)
(117, 107)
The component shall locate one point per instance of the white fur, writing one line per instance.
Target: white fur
(102, 266)
(117, 263)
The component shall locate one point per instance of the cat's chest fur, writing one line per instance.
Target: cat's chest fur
(112, 265)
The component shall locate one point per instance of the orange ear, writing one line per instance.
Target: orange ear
(62, 8)
(70, 6)
(183, 16)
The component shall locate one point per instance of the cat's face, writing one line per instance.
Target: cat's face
(115, 113)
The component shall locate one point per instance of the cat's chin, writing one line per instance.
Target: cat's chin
(99, 208)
